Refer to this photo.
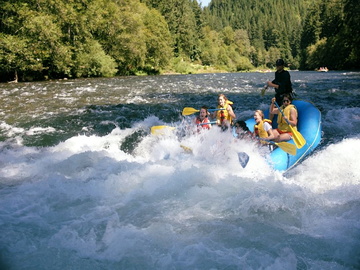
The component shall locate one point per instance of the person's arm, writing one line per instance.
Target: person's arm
(293, 117)
(231, 112)
(269, 131)
(272, 84)
(208, 121)
(273, 108)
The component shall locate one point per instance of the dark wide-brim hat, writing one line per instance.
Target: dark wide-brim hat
(280, 62)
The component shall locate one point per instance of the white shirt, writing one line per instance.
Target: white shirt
(267, 126)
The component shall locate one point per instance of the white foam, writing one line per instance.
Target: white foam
(10, 130)
(332, 168)
(93, 200)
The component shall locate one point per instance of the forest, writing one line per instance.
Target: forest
(55, 39)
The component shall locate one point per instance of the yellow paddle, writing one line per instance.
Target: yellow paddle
(187, 149)
(297, 137)
(285, 146)
(189, 110)
(160, 129)
(264, 90)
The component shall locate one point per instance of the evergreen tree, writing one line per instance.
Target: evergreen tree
(329, 36)
(81, 38)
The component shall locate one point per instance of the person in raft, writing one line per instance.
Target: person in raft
(241, 131)
(282, 82)
(283, 132)
(202, 120)
(225, 115)
(263, 127)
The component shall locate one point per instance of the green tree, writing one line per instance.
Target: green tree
(185, 23)
(158, 40)
(330, 36)
(92, 61)
(228, 35)
(210, 46)
(82, 38)
(242, 41)
(15, 57)
(351, 33)
(272, 23)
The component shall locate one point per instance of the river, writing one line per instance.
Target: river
(85, 185)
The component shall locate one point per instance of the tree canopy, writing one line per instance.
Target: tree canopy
(42, 39)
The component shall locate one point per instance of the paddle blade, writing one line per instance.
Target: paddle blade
(263, 92)
(287, 147)
(186, 149)
(243, 159)
(160, 129)
(189, 111)
(299, 140)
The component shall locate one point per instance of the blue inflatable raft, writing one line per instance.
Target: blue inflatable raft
(309, 125)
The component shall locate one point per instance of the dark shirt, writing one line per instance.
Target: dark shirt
(282, 79)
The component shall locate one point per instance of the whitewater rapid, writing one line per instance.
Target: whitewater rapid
(85, 185)
(89, 204)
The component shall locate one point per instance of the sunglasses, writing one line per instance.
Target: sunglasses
(286, 100)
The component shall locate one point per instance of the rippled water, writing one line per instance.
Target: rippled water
(84, 185)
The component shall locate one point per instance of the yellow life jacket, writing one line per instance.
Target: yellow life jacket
(260, 130)
(224, 114)
(282, 124)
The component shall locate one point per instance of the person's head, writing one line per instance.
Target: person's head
(258, 116)
(222, 99)
(203, 112)
(280, 64)
(241, 127)
(287, 100)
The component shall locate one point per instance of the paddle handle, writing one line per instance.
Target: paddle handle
(214, 110)
(265, 140)
(208, 123)
(268, 141)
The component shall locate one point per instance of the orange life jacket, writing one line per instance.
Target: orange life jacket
(206, 120)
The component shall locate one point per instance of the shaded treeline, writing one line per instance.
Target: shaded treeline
(42, 39)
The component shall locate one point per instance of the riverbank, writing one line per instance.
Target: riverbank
(191, 68)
